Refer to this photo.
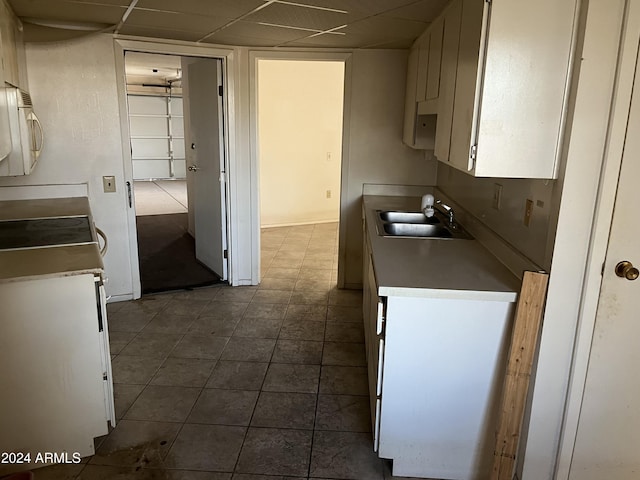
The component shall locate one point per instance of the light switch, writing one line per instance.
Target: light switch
(109, 183)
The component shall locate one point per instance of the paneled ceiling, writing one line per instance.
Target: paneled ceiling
(261, 23)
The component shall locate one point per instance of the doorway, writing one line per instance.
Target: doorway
(180, 207)
(300, 128)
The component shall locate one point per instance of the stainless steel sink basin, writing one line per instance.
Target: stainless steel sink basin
(406, 217)
(416, 230)
(392, 223)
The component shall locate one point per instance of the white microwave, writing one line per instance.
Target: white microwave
(25, 134)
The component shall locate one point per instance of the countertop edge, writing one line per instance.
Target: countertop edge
(505, 291)
(482, 295)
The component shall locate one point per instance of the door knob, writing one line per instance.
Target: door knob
(192, 168)
(626, 270)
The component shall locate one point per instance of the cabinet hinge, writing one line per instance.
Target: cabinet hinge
(104, 377)
(220, 90)
(474, 152)
(225, 254)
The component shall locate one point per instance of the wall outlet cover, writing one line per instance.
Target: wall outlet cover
(109, 183)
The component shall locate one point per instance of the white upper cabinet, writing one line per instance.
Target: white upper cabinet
(503, 86)
(410, 106)
(521, 90)
(12, 48)
(423, 88)
(423, 65)
(450, 40)
(419, 129)
(435, 57)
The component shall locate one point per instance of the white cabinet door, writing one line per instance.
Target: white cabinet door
(11, 41)
(510, 117)
(51, 370)
(374, 339)
(105, 351)
(451, 37)
(465, 103)
(444, 363)
(423, 66)
(410, 105)
(436, 31)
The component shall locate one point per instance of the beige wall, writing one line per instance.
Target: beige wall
(299, 140)
(373, 140)
(476, 196)
(74, 88)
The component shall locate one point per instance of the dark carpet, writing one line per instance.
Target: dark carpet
(167, 255)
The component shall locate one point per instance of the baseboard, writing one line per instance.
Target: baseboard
(276, 225)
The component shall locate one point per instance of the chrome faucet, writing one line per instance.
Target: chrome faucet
(445, 210)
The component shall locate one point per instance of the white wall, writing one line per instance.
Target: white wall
(373, 140)
(476, 196)
(73, 87)
(75, 91)
(299, 140)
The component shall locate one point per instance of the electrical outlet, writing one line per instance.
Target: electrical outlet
(328, 193)
(528, 211)
(497, 196)
(109, 183)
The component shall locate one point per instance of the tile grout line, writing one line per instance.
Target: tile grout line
(288, 304)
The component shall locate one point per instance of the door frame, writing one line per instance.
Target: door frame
(579, 244)
(254, 57)
(626, 75)
(228, 57)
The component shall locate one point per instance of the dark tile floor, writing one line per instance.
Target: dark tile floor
(245, 383)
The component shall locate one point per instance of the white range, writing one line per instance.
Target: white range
(56, 387)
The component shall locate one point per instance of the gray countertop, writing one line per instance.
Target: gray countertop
(64, 260)
(436, 268)
(60, 260)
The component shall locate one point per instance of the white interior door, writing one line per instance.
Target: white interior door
(608, 437)
(207, 167)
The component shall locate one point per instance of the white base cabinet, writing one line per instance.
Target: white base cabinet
(435, 373)
(55, 368)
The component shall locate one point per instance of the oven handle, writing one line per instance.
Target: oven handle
(103, 250)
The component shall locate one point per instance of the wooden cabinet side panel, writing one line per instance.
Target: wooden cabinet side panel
(526, 70)
(450, 42)
(50, 366)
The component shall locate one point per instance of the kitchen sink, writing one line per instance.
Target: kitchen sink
(392, 223)
(416, 230)
(406, 217)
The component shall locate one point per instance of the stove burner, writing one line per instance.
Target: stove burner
(16, 234)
